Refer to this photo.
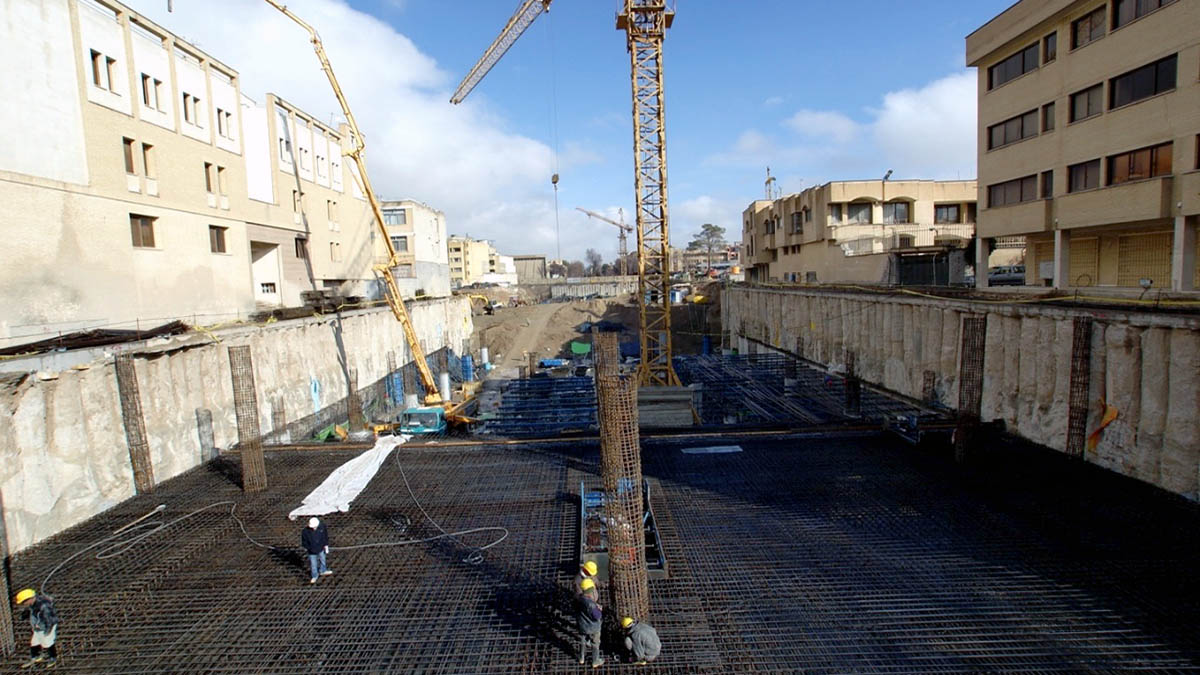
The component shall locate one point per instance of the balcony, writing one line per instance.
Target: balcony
(866, 239)
(1126, 203)
(1018, 219)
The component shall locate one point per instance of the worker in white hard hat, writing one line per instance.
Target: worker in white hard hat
(315, 540)
(587, 570)
(39, 608)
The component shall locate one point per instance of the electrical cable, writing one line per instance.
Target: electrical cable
(123, 539)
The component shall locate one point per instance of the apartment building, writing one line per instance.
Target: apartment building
(418, 234)
(1089, 140)
(873, 231)
(468, 260)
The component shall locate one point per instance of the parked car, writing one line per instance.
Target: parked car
(1007, 275)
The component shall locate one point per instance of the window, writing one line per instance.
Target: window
(295, 201)
(1047, 184)
(1013, 67)
(1013, 130)
(267, 288)
(797, 222)
(335, 251)
(400, 244)
(1147, 81)
(807, 215)
(189, 108)
(216, 238)
(1088, 28)
(222, 185)
(151, 88)
(1048, 117)
(858, 213)
(208, 178)
(770, 226)
(395, 217)
(148, 163)
(1084, 176)
(1012, 192)
(1125, 11)
(835, 212)
(285, 150)
(228, 125)
(331, 209)
(104, 70)
(222, 123)
(896, 212)
(946, 213)
(129, 167)
(1050, 47)
(1140, 164)
(142, 229)
(1087, 103)
(301, 248)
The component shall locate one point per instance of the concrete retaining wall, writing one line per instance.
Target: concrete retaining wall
(1146, 365)
(63, 452)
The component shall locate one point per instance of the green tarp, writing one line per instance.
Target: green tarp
(581, 348)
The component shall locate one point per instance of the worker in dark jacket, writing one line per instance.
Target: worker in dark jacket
(315, 540)
(44, 620)
(588, 614)
(641, 640)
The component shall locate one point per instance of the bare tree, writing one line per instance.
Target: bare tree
(593, 261)
(575, 268)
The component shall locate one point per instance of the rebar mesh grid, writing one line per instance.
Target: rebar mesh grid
(1080, 385)
(544, 407)
(621, 471)
(7, 638)
(135, 424)
(245, 406)
(814, 555)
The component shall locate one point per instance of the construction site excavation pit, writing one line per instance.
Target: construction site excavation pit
(809, 552)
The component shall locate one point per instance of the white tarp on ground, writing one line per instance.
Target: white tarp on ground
(348, 480)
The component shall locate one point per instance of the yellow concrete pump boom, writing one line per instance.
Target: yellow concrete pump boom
(384, 270)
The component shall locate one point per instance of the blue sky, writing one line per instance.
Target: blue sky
(818, 91)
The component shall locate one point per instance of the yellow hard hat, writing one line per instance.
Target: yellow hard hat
(627, 622)
(25, 594)
(590, 567)
(587, 585)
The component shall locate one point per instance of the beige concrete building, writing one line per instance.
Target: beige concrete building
(1089, 122)
(469, 260)
(418, 234)
(142, 185)
(873, 231)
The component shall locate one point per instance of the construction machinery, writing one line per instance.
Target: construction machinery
(645, 23)
(437, 410)
(622, 246)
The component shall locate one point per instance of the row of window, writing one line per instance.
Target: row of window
(1086, 29)
(860, 213)
(142, 229)
(1140, 164)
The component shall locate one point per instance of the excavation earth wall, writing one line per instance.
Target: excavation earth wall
(1143, 364)
(64, 456)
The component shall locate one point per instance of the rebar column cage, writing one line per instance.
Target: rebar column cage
(645, 23)
(1080, 385)
(135, 424)
(621, 471)
(245, 406)
(970, 382)
(606, 355)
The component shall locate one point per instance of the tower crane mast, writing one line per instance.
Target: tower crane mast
(645, 23)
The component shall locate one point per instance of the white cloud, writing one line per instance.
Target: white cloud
(821, 124)
(930, 132)
(773, 101)
(489, 181)
(688, 216)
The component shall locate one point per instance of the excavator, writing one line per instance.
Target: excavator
(437, 412)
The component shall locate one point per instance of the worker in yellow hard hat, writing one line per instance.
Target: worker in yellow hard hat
(39, 609)
(587, 570)
(589, 617)
(641, 640)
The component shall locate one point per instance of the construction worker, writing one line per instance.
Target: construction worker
(589, 615)
(40, 610)
(641, 640)
(587, 570)
(315, 540)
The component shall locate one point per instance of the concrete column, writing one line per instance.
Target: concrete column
(1062, 258)
(983, 251)
(1183, 256)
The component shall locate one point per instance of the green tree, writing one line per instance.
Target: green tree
(709, 239)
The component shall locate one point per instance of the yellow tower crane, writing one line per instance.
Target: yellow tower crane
(438, 410)
(622, 245)
(645, 23)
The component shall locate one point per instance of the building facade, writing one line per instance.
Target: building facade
(418, 235)
(1089, 140)
(145, 186)
(469, 259)
(858, 231)
(531, 269)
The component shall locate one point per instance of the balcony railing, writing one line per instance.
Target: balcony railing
(869, 238)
